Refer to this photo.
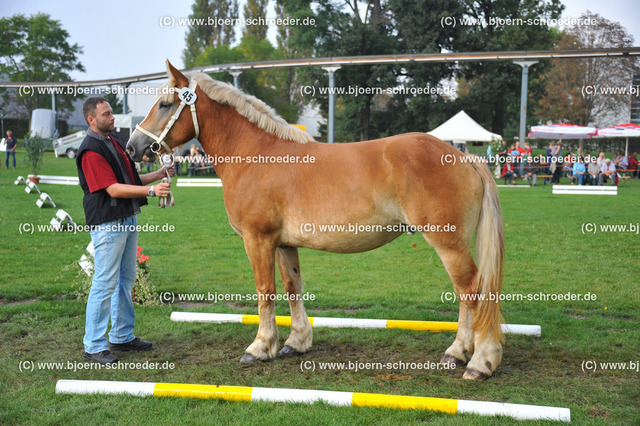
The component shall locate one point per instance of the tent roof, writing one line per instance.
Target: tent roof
(127, 121)
(461, 127)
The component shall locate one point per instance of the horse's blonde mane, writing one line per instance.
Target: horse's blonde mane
(250, 107)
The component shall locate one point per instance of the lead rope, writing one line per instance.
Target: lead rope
(166, 161)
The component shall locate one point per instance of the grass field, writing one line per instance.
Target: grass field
(546, 252)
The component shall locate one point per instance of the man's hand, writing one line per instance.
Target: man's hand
(149, 178)
(160, 173)
(162, 189)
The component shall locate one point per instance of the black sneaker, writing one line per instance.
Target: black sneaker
(134, 345)
(104, 357)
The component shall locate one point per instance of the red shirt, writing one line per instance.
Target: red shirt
(98, 172)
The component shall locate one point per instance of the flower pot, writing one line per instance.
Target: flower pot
(34, 179)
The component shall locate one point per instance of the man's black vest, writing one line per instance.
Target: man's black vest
(100, 207)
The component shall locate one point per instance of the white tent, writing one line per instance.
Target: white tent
(462, 128)
(127, 121)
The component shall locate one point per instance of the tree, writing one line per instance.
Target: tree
(579, 91)
(202, 34)
(116, 104)
(36, 48)
(349, 28)
(255, 13)
(288, 48)
(342, 29)
(266, 84)
(494, 86)
(418, 30)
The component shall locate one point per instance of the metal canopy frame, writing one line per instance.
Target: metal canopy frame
(352, 60)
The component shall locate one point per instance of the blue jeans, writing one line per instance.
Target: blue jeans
(114, 275)
(6, 158)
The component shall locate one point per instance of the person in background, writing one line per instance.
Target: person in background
(592, 172)
(507, 172)
(615, 159)
(601, 159)
(12, 143)
(587, 158)
(567, 166)
(519, 169)
(549, 156)
(556, 156)
(633, 165)
(526, 154)
(177, 164)
(533, 168)
(623, 163)
(608, 171)
(501, 155)
(579, 171)
(515, 159)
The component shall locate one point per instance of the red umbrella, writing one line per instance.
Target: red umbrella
(562, 131)
(626, 130)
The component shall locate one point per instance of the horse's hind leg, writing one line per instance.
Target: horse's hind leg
(461, 351)
(462, 270)
(483, 352)
(301, 336)
(261, 252)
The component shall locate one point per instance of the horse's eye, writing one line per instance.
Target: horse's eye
(165, 105)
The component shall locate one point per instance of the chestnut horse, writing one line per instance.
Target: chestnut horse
(386, 184)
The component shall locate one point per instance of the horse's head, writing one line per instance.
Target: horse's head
(167, 124)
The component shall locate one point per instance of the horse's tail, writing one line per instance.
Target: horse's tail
(489, 249)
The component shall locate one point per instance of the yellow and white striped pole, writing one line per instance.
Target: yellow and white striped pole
(432, 326)
(309, 396)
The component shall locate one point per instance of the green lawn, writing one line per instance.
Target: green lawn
(546, 252)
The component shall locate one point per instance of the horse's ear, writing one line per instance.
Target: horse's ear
(177, 78)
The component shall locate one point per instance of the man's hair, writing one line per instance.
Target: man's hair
(89, 107)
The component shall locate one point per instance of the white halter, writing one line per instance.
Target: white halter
(187, 96)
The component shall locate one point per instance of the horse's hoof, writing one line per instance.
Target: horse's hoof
(248, 359)
(451, 361)
(287, 351)
(478, 376)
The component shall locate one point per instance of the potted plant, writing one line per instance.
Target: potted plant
(35, 152)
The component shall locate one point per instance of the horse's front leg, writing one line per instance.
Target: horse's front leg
(301, 336)
(261, 252)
